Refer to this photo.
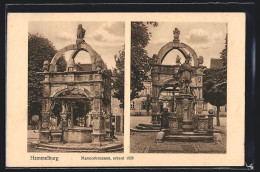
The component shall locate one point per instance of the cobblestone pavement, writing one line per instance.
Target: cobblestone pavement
(142, 142)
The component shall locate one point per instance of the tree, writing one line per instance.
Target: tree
(139, 59)
(223, 56)
(39, 50)
(215, 84)
(119, 72)
(214, 94)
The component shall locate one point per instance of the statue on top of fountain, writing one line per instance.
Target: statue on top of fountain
(80, 34)
(186, 72)
(176, 34)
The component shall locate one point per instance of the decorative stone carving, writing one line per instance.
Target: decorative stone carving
(96, 93)
(178, 60)
(200, 60)
(176, 34)
(80, 32)
(89, 84)
(173, 125)
(45, 120)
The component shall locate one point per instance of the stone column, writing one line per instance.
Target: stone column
(45, 122)
(98, 129)
(64, 113)
(179, 112)
(98, 118)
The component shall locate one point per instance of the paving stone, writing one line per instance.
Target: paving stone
(140, 141)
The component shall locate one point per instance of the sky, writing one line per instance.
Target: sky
(206, 39)
(106, 38)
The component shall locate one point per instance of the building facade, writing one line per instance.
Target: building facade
(138, 106)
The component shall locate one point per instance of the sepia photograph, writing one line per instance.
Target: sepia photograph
(75, 86)
(115, 89)
(178, 87)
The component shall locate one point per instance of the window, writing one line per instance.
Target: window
(143, 105)
(132, 105)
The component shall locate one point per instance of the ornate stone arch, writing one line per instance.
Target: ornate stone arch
(95, 57)
(80, 90)
(167, 82)
(179, 46)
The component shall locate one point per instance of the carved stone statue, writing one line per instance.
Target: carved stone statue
(200, 60)
(187, 64)
(80, 32)
(186, 74)
(178, 60)
(176, 34)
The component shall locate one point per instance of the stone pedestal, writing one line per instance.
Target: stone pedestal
(108, 131)
(77, 135)
(210, 122)
(185, 112)
(202, 124)
(173, 124)
(56, 135)
(98, 134)
(80, 41)
(45, 136)
(195, 123)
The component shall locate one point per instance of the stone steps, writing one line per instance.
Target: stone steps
(79, 150)
(189, 134)
(144, 130)
(148, 127)
(111, 147)
(189, 137)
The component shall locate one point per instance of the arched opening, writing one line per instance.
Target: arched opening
(171, 56)
(183, 48)
(166, 97)
(81, 110)
(87, 55)
(82, 57)
(75, 103)
(61, 64)
(80, 60)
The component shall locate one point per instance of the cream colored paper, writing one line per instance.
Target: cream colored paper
(17, 94)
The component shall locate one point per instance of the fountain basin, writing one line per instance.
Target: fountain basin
(77, 135)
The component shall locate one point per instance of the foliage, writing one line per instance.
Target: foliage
(213, 94)
(215, 84)
(223, 56)
(140, 65)
(39, 50)
(118, 82)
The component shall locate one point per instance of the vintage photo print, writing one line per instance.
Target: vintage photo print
(125, 89)
(179, 99)
(75, 86)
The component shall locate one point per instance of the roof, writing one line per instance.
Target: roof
(84, 67)
(216, 63)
